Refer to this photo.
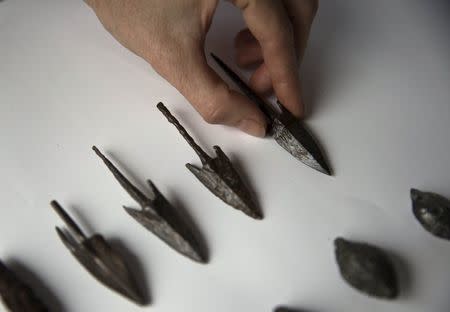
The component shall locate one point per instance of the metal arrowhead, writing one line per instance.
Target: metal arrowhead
(218, 174)
(166, 232)
(98, 258)
(220, 177)
(16, 295)
(298, 141)
(288, 131)
(366, 268)
(433, 212)
(159, 217)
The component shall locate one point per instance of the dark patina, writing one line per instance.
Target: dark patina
(16, 295)
(158, 216)
(98, 258)
(218, 174)
(287, 130)
(433, 212)
(366, 268)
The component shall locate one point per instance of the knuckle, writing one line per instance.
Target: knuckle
(214, 111)
(213, 114)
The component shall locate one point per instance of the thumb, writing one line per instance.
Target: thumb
(214, 100)
(269, 23)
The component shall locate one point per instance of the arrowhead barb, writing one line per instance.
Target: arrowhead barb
(219, 175)
(159, 217)
(98, 258)
(217, 185)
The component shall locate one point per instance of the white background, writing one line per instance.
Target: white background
(376, 76)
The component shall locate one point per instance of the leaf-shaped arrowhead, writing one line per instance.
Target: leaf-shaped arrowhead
(223, 181)
(160, 227)
(433, 212)
(366, 268)
(299, 143)
(107, 266)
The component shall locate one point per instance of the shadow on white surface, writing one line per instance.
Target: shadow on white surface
(37, 285)
(404, 272)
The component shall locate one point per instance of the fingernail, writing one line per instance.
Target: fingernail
(252, 127)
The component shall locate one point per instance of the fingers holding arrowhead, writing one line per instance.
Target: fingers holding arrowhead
(213, 99)
(276, 39)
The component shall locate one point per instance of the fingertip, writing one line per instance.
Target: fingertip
(228, 107)
(261, 82)
(252, 127)
(270, 24)
(251, 120)
(297, 109)
(291, 99)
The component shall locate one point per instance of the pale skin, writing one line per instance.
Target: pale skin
(170, 36)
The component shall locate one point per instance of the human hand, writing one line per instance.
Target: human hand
(170, 35)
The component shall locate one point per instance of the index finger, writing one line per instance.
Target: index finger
(269, 23)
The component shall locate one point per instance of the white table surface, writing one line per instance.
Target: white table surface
(376, 76)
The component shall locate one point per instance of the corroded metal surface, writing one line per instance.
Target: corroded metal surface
(16, 295)
(98, 258)
(288, 131)
(158, 216)
(433, 212)
(218, 174)
(366, 268)
(289, 136)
